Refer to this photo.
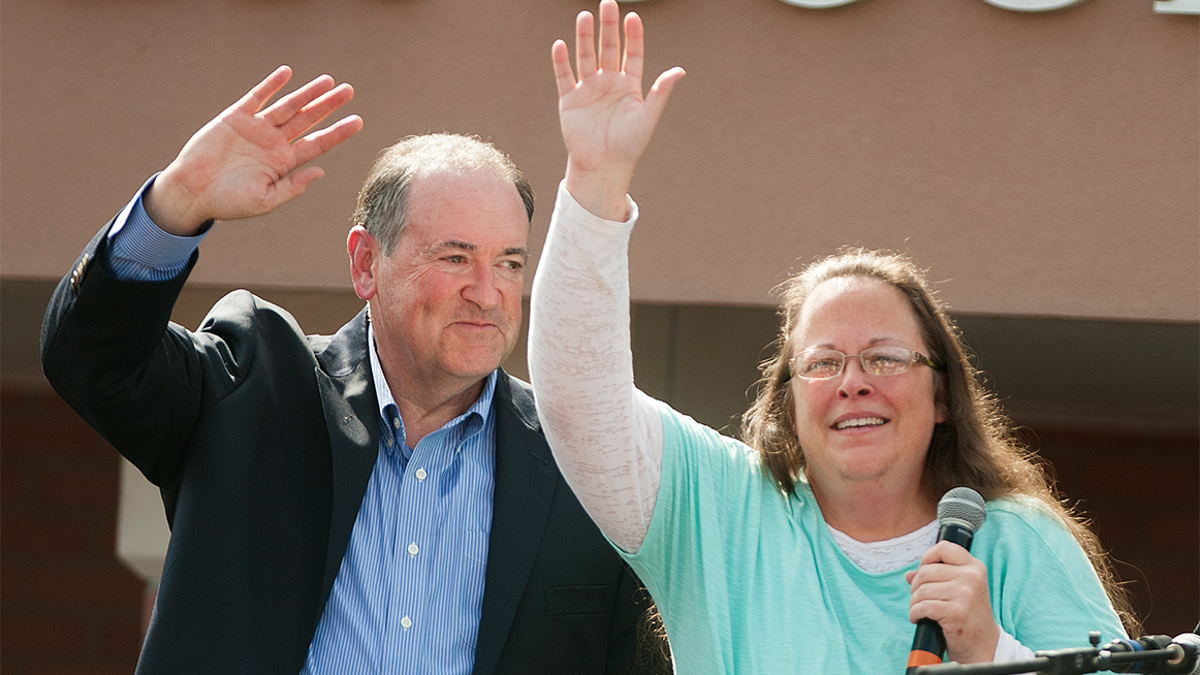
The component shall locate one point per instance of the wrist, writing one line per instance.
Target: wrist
(602, 192)
(979, 649)
(171, 207)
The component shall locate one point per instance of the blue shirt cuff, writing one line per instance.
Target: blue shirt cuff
(139, 250)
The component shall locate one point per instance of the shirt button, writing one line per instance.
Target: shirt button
(388, 441)
(413, 550)
(395, 422)
(421, 474)
(406, 623)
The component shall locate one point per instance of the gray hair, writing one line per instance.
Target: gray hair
(383, 199)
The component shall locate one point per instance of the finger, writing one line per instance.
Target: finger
(635, 49)
(656, 99)
(563, 77)
(928, 609)
(291, 186)
(945, 552)
(929, 574)
(935, 573)
(320, 142)
(610, 36)
(585, 45)
(925, 588)
(300, 180)
(256, 98)
(952, 553)
(287, 107)
(318, 110)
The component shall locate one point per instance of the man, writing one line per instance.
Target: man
(379, 500)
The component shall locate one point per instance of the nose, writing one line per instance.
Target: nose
(854, 380)
(482, 288)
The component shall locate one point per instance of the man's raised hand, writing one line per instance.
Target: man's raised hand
(606, 122)
(249, 160)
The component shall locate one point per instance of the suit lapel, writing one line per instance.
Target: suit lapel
(526, 479)
(348, 396)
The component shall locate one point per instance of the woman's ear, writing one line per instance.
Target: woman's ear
(364, 254)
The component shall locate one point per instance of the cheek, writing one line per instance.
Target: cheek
(806, 409)
(512, 300)
(433, 290)
(922, 400)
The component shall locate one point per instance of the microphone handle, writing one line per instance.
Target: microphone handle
(929, 643)
(958, 533)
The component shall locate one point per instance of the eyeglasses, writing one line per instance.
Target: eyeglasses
(823, 364)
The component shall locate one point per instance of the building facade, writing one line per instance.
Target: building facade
(1043, 165)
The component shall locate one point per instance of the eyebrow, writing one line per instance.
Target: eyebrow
(456, 245)
(872, 342)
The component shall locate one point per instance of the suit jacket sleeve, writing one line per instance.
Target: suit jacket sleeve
(110, 350)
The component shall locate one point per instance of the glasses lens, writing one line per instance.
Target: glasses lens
(887, 360)
(819, 364)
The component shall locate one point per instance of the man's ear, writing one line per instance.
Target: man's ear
(364, 254)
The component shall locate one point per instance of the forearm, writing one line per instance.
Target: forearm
(606, 435)
(105, 349)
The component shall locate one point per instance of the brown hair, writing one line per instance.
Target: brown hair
(974, 446)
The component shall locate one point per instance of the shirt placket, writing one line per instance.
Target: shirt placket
(395, 640)
(415, 552)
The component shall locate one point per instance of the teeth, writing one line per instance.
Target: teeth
(860, 422)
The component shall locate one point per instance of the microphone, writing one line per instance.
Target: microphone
(1189, 647)
(1153, 654)
(960, 513)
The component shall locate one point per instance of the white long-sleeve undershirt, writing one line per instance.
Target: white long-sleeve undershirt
(606, 435)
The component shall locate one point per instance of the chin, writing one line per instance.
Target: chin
(477, 368)
(865, 468)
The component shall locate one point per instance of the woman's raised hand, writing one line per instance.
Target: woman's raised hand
(606, 120)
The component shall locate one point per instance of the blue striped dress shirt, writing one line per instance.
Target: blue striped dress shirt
(408, 596)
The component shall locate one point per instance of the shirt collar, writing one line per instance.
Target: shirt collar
(474, 415)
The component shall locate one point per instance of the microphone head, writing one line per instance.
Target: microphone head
(1190, 663)
(962, 505)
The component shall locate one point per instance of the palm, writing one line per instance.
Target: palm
(606, 121)
(238, 162)
(249, 159)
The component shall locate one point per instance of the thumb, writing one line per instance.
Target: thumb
(294, 184)
(656, 99)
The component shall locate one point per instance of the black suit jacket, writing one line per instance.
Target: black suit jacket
(262, 439)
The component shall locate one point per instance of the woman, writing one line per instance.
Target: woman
(812, 549)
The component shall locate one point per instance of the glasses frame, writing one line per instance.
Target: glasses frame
(917, 358)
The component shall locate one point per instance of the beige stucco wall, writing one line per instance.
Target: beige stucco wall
(1043, 164)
